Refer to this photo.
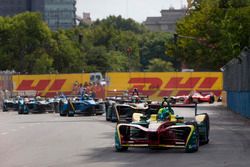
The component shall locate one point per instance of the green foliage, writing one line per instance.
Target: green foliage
(219, 31)
(159, 65)
(153, 45)
(111, 44)
(43, 64)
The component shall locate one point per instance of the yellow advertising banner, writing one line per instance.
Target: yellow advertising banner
(48, 84)
(155, 85)
(158, 85)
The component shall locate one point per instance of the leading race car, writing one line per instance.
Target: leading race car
(161, 130)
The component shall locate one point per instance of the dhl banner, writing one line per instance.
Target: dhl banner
(155, 85)
(48, 84)
(158, 85)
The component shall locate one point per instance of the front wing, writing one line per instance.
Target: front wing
(175, 136)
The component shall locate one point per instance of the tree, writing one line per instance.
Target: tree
(67, 54)
(159, 65)
(153, 45)
(112, 44)
(20, 37)
(219, 30)
(43, 64)
(97, 60)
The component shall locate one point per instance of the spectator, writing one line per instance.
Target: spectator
(75, 89)
(81, 89)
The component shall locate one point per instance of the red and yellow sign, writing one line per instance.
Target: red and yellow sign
(157, 85)
(48, 84)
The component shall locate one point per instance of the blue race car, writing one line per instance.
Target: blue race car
(84, 105)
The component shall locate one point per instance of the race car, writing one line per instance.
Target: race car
(84, 105)
(194, 97)
(11, 104)
(36, 105)
(161, 130)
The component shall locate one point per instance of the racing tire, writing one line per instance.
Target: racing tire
(56, 107)
(118, 146)
(25, 109)
(121, 149)
(60, 109)
(20, 111)
(71, 114)
(211, 100)
(113, 116)
(190, 100)
(5, 109)
(108, 110)
(62, 115)
(207, 125)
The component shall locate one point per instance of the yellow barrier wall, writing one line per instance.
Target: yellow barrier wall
(48, 84)
(157, 85)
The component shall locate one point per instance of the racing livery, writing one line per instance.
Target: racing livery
(161, 131)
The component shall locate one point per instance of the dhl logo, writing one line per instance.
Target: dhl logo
(152, 86)
(42, 85)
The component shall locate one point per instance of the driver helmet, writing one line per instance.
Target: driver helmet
(164, 104)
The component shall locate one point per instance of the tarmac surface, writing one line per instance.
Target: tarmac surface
(48, 140)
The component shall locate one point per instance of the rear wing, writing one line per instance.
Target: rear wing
(124, 112)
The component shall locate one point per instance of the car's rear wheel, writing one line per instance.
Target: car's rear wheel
(5, 109)
(212, 99)
(71, 114)
(207, 126)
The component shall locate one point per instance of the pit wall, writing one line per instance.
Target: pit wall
(239, 102)
(155, 85)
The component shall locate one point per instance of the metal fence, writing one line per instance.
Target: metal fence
(236, 82)
(236, 73)
(6, 85)
(6, 80)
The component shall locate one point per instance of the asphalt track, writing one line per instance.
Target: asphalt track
(48, 140)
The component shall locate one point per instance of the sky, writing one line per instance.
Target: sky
(138, 10)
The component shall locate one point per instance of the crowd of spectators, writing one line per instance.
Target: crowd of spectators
(95, 90)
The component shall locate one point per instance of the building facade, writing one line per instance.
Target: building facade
(57, 13)
(12, 7)
(60, 13)
(167, 21)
